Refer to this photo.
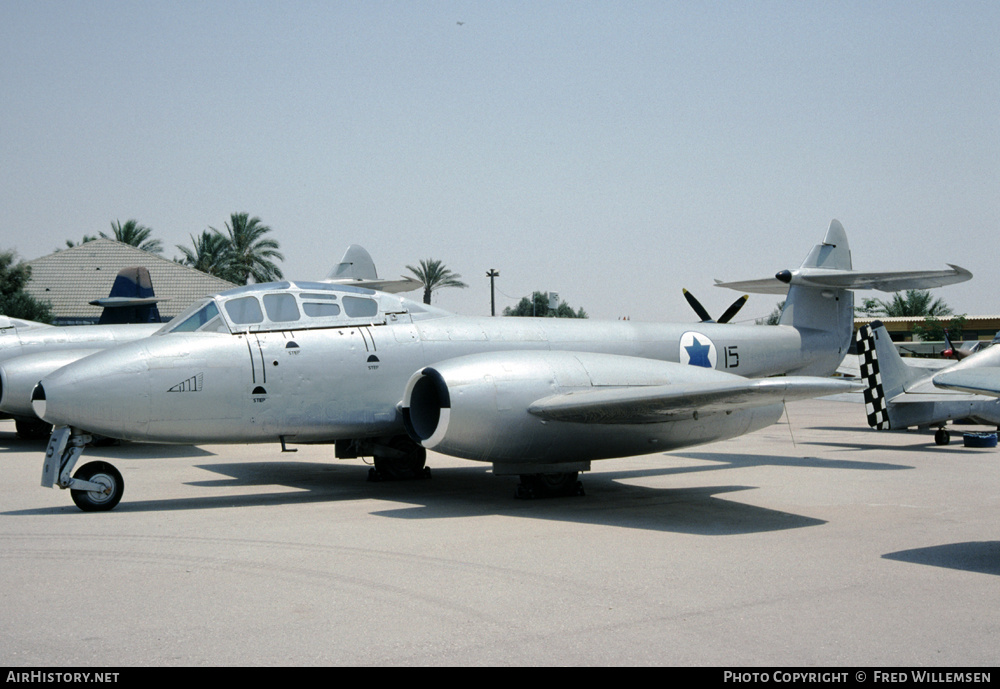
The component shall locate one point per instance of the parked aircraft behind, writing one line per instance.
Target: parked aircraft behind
(967, 348)
(900, 396)
(29, 351)
(381, 375)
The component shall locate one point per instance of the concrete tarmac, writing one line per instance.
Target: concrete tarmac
(818, 542)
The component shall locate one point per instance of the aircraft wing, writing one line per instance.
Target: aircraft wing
(891, 281)
(984, 380)
(656, 403)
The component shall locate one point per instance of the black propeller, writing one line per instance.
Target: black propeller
(703, 314)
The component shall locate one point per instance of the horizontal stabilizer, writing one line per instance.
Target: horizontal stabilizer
(120, 302)
(984, 380)
(403, 284)
(658, 403)
(357, 269)
(850, 279)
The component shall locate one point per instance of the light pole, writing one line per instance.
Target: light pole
(492, 273)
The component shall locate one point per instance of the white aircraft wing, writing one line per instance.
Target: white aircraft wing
(984, 380)
(656, 403)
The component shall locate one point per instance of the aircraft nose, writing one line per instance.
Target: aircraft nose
(106, 393)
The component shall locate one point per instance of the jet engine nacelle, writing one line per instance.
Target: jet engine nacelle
(477, 407)
(20, 375)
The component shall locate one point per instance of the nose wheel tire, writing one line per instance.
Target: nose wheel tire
(103, 474)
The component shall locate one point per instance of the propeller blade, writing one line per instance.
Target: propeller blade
(698, 308)
(734, 309)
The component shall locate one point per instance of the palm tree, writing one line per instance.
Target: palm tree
(210, 254)
(915, 302)
(86, 238)
(249, 253)
(434, 276)
(134, 234)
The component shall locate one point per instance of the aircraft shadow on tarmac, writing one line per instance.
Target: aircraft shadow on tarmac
(974, 556)
(461, 492)
(928, 446)
(740, 460)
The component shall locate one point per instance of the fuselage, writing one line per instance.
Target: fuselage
(283, 373)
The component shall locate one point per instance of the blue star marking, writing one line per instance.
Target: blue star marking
(698, 354)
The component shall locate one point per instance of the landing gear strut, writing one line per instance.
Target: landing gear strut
(549, 485)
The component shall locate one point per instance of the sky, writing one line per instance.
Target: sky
(613, 152)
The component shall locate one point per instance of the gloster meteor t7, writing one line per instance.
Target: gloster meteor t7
(380, 375)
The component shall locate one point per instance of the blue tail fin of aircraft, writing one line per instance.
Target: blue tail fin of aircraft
(131, 299)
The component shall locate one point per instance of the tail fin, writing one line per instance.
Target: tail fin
(883, 372)
(825, 309)
(357, 264)
(358, 269)
(820, 304)
(131, 299)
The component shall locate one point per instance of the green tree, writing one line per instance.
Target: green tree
(14, 301)
(435, 276)
(86, 238)
(134, 234)
(933, 329)
(210, 253)
(912, 302)
(538, 306)
(249, 253)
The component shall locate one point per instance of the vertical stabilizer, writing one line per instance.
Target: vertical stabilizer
(131, 299)
(883, 372)
(357, 264)
(824, 309)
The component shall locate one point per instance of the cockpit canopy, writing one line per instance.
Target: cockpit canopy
(292, 306)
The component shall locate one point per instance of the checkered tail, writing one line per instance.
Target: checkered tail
(875, 406)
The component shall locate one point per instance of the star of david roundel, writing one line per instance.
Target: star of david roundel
(697, 350)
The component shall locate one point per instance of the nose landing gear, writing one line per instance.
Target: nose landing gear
(96, 486)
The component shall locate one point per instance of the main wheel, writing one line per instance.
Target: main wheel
(98, 501)
(406, 461)
(942, 437)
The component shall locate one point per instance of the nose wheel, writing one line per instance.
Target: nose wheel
(96, 487)
(107, 496)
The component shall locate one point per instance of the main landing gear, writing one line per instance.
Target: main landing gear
(401, 459)
(942, 437)
(96, 486)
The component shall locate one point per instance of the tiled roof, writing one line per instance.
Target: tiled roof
(68, 279)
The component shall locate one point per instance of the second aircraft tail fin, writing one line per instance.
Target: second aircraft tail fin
(883, 372)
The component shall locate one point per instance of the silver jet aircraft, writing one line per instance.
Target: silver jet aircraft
(30, 351)
(900, 396)
(384, 376)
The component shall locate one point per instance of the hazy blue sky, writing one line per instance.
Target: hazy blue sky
(613, 152)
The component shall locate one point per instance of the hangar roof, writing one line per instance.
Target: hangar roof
(69, 278)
